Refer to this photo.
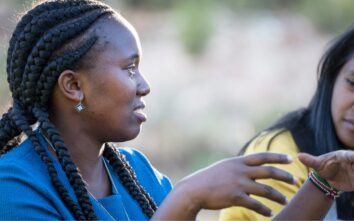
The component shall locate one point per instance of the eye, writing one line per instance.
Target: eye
(131, 70)
(350, 82)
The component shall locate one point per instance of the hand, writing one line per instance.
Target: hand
(230, 182)
(336, 167)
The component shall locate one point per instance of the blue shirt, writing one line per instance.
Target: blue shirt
(26, 190)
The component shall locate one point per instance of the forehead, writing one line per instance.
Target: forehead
(117, 38)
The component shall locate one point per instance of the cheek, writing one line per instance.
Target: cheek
(340, 100)
(335, 103)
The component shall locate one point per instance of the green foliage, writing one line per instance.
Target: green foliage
(153, 4)
(329, 15)
(194, 23)
(241, 5)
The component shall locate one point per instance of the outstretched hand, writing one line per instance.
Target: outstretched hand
(336, 167)
(230, 182)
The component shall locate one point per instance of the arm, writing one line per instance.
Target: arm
(337, 168)
(224, 184)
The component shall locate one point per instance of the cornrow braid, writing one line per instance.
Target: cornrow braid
(21, 122)
(26, 19)
(69, 167)
(34, 29)
(129, 180)
(41, 52)
(51, 72)
(48, 40)
(60, 34)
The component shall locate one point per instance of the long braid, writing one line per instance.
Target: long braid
(68, 165)
(85, 210)
(52, 71)
(25, 21)
(22, 123)
(8, 131)
(39, 56)
(129, 180)
(36, 56)
(42, 51)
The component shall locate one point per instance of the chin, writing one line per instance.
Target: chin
(127, 136)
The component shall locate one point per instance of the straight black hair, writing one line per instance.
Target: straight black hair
(312, 127)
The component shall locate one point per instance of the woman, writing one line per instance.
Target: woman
(73, 70)
(327, 124)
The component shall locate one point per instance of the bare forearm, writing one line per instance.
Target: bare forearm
(178, 205)
(308, 204)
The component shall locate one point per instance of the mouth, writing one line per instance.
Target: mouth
(139, 113)
(349, 123)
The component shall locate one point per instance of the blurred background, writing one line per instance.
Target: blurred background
(220, 71)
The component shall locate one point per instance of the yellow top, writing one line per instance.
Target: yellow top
(282, 143)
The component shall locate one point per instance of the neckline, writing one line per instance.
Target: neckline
(114, 188)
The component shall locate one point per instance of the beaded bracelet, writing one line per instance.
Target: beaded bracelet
(323, 185)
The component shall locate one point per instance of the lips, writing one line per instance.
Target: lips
(138, 112)
(349, 123)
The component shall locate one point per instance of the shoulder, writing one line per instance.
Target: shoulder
(136, 159)
(21, 160)
(153, 180)
(24, 181)
(280, 140)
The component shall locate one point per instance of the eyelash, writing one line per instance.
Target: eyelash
(131, 70)
(350, 82)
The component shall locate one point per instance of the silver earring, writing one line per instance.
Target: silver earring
(80, 106)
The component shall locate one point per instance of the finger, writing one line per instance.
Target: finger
(265, 191)
(346, 155)
(309, 160)
(269, 172)
(252, 204)
(266, 157)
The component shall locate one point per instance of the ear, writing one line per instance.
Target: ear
(69, 84)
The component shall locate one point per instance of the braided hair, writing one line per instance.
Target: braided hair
(50, 38)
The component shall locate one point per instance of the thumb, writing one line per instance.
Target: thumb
(309, 160)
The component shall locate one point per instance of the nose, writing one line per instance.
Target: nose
(143, 86)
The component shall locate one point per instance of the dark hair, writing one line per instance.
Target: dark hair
(50, 38)
(326, 140)
(312, 127)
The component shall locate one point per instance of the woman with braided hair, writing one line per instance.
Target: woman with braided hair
(73, 70)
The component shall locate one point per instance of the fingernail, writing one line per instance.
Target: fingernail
(289, 158)
(295, 180)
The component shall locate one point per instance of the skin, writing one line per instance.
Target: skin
(337, 168)
(342, 106)
(111, 90)
(224, 184)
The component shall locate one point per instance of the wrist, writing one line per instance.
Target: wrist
(190, 197)
(323, 185)
(178, 205)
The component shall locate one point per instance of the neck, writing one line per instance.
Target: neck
(86, 153)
